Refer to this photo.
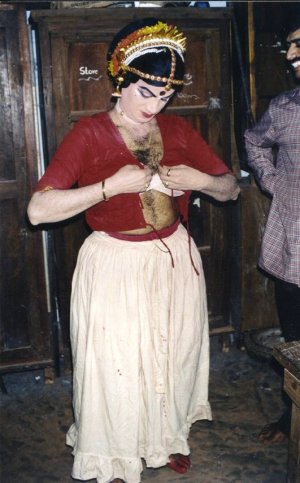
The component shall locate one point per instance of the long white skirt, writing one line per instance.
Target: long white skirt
(139, 335)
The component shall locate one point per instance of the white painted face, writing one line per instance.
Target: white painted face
(293, 53)
(141, 101)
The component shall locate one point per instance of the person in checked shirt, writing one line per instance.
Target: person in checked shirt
(278, 174)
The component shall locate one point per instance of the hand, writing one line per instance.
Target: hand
(180, 177)
(223, 187)
(129, 179)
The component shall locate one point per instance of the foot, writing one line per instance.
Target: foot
(179, 463)
(272, 434)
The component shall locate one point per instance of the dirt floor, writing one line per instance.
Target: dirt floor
(244, 394)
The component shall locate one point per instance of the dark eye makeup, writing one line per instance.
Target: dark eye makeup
(147, 94)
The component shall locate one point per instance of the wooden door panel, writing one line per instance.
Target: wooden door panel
(8, 108)
(89, 83)
(257, 289)
(24, 323)
(202, 77)
(14, 293)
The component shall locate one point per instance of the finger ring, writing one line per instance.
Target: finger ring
(168, 172)
(147, 185)
(167, 184)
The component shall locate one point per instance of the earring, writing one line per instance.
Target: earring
(117, 92)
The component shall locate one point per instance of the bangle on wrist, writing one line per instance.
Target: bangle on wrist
(105, 198)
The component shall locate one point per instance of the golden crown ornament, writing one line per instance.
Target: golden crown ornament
(142, 41)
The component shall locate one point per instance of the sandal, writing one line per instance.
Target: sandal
(271, 434)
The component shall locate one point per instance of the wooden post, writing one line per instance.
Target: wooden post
(251, 48)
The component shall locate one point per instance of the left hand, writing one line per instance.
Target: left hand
(180, 177)
(223, 187)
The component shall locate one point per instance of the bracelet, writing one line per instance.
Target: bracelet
(103, 191)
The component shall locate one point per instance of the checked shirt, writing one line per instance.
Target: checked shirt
(273, 148)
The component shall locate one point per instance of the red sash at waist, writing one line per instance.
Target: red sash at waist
(153, 235)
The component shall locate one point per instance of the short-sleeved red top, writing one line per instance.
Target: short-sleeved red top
(94, 150)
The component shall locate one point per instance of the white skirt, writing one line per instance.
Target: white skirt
(139, 334)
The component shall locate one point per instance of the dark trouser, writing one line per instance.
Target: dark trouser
(288, 306)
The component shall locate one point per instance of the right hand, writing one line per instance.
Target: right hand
(129, 179)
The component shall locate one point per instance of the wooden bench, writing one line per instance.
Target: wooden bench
(288, 355)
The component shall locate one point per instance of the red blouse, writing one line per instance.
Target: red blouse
(94, 150)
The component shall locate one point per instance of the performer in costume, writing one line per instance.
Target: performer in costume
(139, 328)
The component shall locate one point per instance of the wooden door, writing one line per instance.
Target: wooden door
(25, 335)
(73, 45)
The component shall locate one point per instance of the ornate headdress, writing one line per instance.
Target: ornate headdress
(146, 40)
